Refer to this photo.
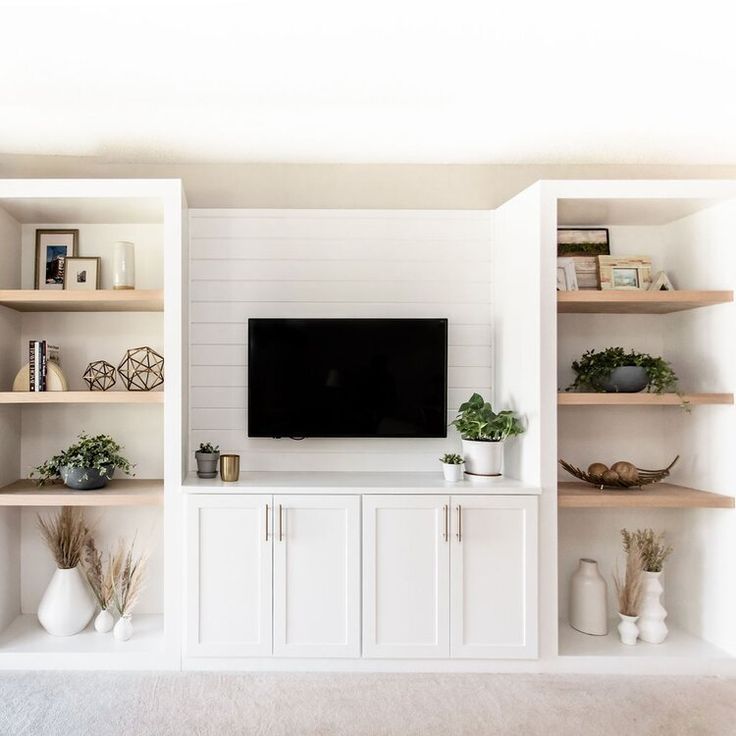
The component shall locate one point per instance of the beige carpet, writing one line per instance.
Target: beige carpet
(205, 704)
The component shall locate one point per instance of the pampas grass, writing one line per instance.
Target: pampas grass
(651, 546)
(127, 572)
(98, 574)
(629, 589)
(65, 534)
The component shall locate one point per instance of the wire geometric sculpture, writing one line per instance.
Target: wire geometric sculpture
(141, 369)
(100, 375)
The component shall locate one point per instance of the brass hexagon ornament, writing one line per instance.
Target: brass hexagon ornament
(100, 375)
(141, 369)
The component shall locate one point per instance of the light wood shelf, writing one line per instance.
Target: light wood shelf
(107, 300)
(570, 398)
(637, 302)
(122, 492)
(81, 397)
(572, 495)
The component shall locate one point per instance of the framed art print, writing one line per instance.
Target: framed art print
(82, 273)
(584, 245)
(625, 274)
(53, 247)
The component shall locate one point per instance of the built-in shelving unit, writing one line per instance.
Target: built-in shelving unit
(637, 302)
(28, 398)
(122, 492)
(126, 300)
(574, 495)
(570, 398)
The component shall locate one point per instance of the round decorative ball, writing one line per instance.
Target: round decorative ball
(141, 369)
(100, 375)
(597, 469)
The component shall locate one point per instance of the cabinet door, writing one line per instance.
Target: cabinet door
(317, 576)
(494, 576)
(406, 559)
(229, 576)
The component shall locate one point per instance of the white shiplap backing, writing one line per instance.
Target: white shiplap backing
(331, 263)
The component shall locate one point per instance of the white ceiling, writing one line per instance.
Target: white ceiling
(373, 81)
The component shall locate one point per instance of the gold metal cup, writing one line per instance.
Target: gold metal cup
(229, 468)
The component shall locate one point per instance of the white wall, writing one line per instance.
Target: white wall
(286, 263)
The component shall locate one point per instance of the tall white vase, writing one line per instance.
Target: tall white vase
(67, 605)
(123, 273)
(652, 628)
(588, 599)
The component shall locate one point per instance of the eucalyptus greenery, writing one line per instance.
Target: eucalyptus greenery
(208, 448)
(594, 367)
(452, 458)
(100, 453)
(477, 421)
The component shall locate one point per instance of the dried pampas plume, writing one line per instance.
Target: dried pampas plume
(629, 589)
(65, 534)
(127, 576)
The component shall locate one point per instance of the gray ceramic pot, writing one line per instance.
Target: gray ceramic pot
(86, 479)
(207, 464)
(629, 379)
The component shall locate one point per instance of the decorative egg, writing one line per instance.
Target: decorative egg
(610, 476)
(622, 465)
(627, 472)
(597, 469)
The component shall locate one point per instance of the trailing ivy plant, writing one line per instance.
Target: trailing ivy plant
(100, 453)
(477, 421)
(594, 368)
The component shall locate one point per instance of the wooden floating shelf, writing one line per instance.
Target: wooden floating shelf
(569, 398)
(81, 397)
(573, 495)
(107, 300)
(637, 302)
(123, 492)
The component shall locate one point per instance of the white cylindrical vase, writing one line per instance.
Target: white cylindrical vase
(588, 599)
(483, 458)
(123, 272)
(67, 605)
(628, 631)
(652, 628)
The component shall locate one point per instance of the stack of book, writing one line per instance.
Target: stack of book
(39, 355)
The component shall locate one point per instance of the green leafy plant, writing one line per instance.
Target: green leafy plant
(100, 453)
(452, 458)
(208, 448)
(594, 368)
(477, 421)
(650, 545)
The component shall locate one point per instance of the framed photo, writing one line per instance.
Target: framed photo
(81, 273)
(53, 247)
(584, 245)
(567, 279)
(625, 274)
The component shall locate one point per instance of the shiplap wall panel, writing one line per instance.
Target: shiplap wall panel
(320, 263)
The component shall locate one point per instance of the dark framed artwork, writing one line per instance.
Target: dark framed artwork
(52, 249)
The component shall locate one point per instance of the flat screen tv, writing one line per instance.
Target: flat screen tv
(347, 378)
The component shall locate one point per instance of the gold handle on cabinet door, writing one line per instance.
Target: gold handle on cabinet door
(446, 510)
(459, 523)
(267, 522)
(281, 523)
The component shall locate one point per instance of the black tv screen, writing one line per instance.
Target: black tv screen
(347, 378)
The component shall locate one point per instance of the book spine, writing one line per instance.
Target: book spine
(43, 365)
(31, 366)
(38, 365)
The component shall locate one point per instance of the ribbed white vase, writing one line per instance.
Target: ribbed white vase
(67, 605)
(652, 628)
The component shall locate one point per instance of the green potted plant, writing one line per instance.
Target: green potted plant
(207, 457)
(86, 465)
(483, 433)
(615, 370)
(452, 466)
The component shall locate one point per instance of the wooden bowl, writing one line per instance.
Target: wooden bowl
(645, 476)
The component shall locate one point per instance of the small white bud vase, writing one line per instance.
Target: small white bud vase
(104, 621)
(123, 629)
(628, 631)
(452, 472)
(588, 599)
(67, 605)
(123, 272)
(652, 628)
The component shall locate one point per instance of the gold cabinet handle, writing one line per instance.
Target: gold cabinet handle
(446, 511)
(459, 523)
(281, 523)
(267, 522)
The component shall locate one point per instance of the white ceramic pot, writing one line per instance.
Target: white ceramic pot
(123, 629)
(652, 628)
(452, 472)
(123, 273)
(588, 598)
(483, 458)
(67, 605)
(628, 631)
(104, 621)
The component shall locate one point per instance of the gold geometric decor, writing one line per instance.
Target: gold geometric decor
(100, 375)
(142, 369)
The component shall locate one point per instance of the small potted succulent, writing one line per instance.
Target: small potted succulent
(483, 432)
(208, 456)
(452, 466)
(86, 465)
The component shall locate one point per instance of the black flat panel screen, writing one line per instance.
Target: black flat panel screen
(347, 378)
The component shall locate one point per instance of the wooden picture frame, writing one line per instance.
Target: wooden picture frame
(567, 279)
(53, 247)
(79, 278)
(625, 274)
(584, 245)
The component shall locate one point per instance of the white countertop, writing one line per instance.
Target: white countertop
(342, 482)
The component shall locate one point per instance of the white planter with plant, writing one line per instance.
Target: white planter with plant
(208, 456)
(483, 433)
(100, 580)
(452, 467)
(128, 576)
(629, 590)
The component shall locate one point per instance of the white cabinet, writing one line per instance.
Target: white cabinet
(406, 554)
(229, 576)
(317, 576)
(493, 577)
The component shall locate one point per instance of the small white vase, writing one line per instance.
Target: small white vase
(67, 605)
(483, 458)
(123, 273)
(628, 631)
(588, 599)
(453, 473)
(104, 621)
(652, 628)
(123, 629)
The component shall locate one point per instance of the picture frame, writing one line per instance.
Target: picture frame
(625, 274)
(82, 273)
(567, 279)
(584, 245)
(53, 247)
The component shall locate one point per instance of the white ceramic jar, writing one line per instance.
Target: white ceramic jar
(588, 599)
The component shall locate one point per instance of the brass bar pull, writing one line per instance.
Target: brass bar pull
(267, 522)
(281, 523)
(446, 511)
(459, 523)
